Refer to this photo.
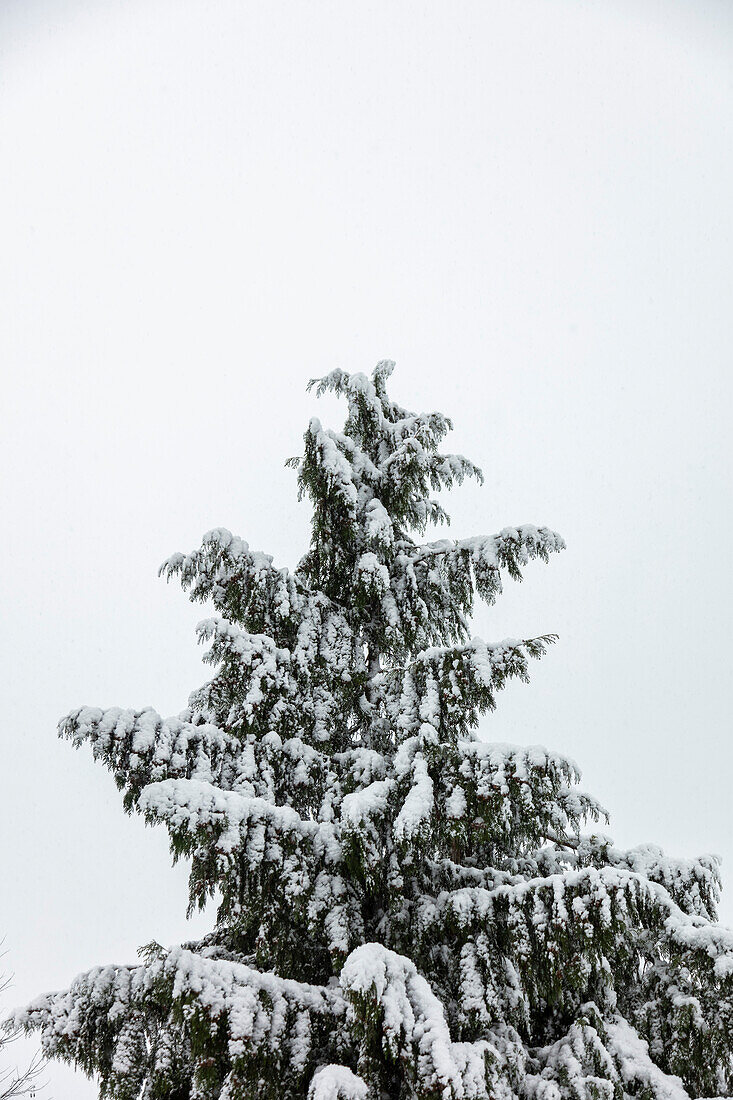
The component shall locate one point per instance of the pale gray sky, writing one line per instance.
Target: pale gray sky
(528, 206)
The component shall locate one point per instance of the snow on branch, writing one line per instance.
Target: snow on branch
(503, 799)
(147, 1022)
(337, 1083)
(243, 584)
(591, 1048)
(140, 747)
(586, 908)
(398, 1017)
(693, 884)
(449, 688)
(231, 834)
(483, 558)
(267, 687)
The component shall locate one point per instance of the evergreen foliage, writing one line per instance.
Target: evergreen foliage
(405, 911)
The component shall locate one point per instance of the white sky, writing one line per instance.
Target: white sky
(528, 205)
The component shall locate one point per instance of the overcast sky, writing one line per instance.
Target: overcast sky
(528, 206)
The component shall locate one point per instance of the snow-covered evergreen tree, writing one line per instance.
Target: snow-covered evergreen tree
(405, 911)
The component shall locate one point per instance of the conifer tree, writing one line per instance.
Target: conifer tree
(404, 910)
